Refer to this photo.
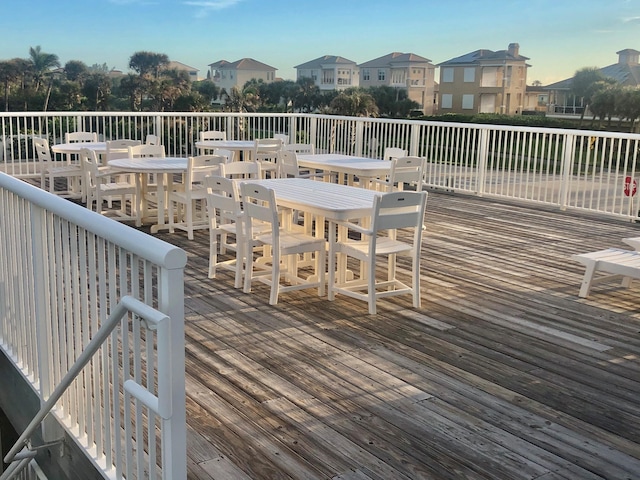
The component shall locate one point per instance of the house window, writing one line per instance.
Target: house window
(447, 75)
(469, 74)
(467, 101)
(446, 101)
(381, 75)
(365, 74)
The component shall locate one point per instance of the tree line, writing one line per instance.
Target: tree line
(41, 83)
(605, 98)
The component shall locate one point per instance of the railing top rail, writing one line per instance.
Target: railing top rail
(477, 126)
(152, 249)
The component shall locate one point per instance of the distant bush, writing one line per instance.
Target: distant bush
(497, 119)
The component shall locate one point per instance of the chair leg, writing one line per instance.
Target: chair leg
(213, 254)
(371, 285)
(587, 280)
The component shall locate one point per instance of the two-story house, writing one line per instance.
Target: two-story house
(407, 71)
(329, 72)
(227, 75)
(484, 81)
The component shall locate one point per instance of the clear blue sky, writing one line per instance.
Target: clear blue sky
(559, 36)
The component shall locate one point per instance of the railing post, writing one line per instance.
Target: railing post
(482, 160)
(313, 131)
(569, 146)
(171, 303)
(414, 140)
(359, 142)
(50, 430)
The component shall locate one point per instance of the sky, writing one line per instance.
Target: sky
(558, 36)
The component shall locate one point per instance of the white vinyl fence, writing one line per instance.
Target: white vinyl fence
(63, 272)
(571, 169)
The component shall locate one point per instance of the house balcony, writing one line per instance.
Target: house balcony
(504, 372)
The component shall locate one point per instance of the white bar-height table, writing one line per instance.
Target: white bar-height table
(349, 165)
(325, 200)
(163, 168)
(236, 146)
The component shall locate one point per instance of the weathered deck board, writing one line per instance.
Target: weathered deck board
(503, 373)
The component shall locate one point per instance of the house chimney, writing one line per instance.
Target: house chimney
(514, 50)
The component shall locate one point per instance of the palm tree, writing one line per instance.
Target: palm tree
(354, 103)
(41, 63)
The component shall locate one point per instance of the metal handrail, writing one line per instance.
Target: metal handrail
(154, 319)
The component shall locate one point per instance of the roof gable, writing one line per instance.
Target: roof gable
(484, 55)
(326, 60)
(394, 59)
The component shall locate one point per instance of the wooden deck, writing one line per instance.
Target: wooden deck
(503, 374)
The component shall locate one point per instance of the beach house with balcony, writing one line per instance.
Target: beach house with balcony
(406, 71)
(227, 75)
(329, 72)
(484, 81)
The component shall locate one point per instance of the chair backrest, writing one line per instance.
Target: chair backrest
(89, 162)
(212, 135)
(263, 145)
(239, 170)
(119, 148)
(282, 136)
(228, 154)
(41, 146)
(406, 170)
(223, 204)
(393, 152)
(307, 148)
(143, 151)
(288, 164)
(74, 137)
(152, 140)
(202, 166)
(259, 203)
(396, 210)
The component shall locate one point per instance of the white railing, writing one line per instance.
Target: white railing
(571, 169)
(63, 270)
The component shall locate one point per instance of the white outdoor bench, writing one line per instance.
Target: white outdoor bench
(612, 261)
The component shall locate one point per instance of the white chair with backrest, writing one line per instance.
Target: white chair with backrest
(391, 211)
(212, 135)
(225, 221)
(265, 152)
(282, 136)
(393, 152)
(190, 211)
(100, 186)
(241, 170)
(228, 154)
(146, 151)
(50, 170)
(288, 167)
(403, 171)
(119, 148)
(152, 139)
(259, 204)
(300, 148)
(75, 137)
